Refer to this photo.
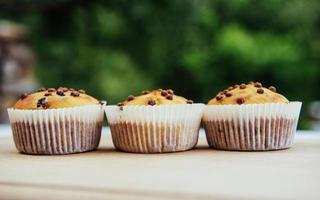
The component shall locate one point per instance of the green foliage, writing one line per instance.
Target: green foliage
(197, 47)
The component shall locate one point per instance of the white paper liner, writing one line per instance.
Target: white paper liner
(251, 127)
(57, 131)
(155, 129)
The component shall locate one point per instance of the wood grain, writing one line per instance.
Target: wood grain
(201, 173)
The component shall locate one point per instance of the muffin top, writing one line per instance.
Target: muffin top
(251, 93)
(61, 97)
(155, 97)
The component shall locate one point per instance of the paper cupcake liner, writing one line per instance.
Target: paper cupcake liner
(252, 127)
(57, 131)
(155, 129)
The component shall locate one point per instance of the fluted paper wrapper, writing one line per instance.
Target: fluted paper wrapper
(57, 131)
(155, 129)
(251, 127)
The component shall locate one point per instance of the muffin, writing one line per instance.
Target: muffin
(56, 121)
(156, 121)
(249, 117)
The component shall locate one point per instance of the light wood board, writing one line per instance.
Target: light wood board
(201, 173)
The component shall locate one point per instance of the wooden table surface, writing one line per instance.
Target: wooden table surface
(201, 173)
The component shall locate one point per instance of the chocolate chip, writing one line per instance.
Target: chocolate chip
(170, 91)
(250, 82)
(260, 91)
(169, 97)
(64, 89)
(71, 89)
(120, 104)
(144, 92)
(48, 94)
(45, 105)
(82, 91)
(42, 103)
(273, 89)
(151, 102)
(102, 102)
(230, 88)
(235, 86)
(164, 93)
(75, 94)
(60, 92)
(243, 86)
(240, 101)
(130, 98)
(42, 89)
(225, 92)
(258, 85)
(23, 95)
(51, 90)
(219, 97)
(189, 102)
(228, 94)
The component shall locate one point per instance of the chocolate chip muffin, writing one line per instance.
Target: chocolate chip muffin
(154, 122)
(155, 97)
(251, 93)
(249, 117)
(56, 121)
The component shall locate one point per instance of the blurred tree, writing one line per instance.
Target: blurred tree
(197, 47)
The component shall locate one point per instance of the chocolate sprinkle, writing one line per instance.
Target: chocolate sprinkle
(75, 94)
(240, 101)
(23, 95)
(243, 86)
(60, 92)
(260, 91)
(144, 92)
(151, 102)
(164, 93)
(42, 89)
(273, 89)
(82, 91)
(169, 97)
(130, 98)
(189, 102)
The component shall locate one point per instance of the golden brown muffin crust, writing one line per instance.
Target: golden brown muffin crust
(251, 93)
(155, 97)
(54, 98)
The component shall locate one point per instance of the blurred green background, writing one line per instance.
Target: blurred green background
(196, 47)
